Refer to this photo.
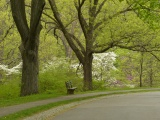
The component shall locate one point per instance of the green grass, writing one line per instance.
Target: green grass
(20, 100)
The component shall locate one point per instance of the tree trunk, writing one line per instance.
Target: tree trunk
(151, 73)
(87, 69)
(151, 77)
(141, 70)
(30, 42)
(30, 69)
(68, 50)
(29, 74)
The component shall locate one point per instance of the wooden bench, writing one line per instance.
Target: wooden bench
(70, 88)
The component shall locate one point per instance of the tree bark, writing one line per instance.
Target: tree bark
(151, 77)
(141, 70)
(29, 72)
(151, 73)
(87, 69)
(30, 69)
(68, 50)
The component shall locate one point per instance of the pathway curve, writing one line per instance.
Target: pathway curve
(139, 106)
(16, 108)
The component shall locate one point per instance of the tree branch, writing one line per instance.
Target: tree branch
(19, 16)
(100, 7)
(155, 56)
(63, 29)
(78, 42)
(111, 17)
(36, 12)
(49, 17)
(81, 18)
(7, 32)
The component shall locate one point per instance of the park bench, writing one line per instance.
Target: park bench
(70, 88)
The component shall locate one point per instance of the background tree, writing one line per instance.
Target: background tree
(129, 68)
(97, 19)
(141, 69)
(30, 42)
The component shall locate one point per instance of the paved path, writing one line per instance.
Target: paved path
(139, 106)
(13, 109)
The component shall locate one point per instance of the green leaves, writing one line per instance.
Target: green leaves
(147, 10)
(121, 0)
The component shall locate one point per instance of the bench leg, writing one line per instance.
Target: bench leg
(70, 91)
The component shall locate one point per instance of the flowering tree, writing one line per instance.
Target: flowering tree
(95, 20)
(102, 64)
(55, 63)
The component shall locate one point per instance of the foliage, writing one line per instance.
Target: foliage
(128, 68)
(148, 10)
(53, 78)
(8, 37)
(118, 30)
(10, 87)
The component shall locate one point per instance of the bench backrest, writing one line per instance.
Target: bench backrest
(68, 84)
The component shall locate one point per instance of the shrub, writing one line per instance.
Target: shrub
(10, 87)
(53, 80)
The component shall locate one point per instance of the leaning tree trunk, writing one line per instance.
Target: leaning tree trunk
(87, 71)
(68, 49)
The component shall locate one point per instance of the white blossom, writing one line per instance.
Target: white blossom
(12, 70)
(130, 86)
(55, 63)
(102, 64)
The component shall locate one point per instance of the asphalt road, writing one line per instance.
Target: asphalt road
(137, 106)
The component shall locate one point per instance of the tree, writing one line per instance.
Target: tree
(29, 42)
(92, 18)
(141, 69)
(103, 63)
(148, 11)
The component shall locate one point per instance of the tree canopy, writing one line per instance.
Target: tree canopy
(78, 29)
